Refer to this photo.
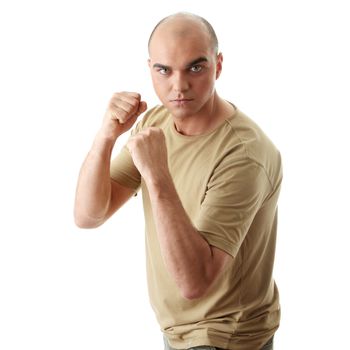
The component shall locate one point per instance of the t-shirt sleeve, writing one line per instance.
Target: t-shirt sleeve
(235, 192)
(123, 169)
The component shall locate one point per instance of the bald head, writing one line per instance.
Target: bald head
(183, 24)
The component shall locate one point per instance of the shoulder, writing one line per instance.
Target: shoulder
(247, 132)
(250, 144)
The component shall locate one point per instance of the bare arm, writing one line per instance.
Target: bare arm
(191, 261)
(97, 195)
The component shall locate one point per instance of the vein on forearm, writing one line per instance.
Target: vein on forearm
(186, 254)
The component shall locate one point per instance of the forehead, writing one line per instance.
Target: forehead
(180, 43)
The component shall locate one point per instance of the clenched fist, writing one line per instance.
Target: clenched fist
(149, 153)
(122, 112)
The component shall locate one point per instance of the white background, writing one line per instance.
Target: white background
(286, 64)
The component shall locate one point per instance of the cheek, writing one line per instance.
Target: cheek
(160, 84)
(205, 84)
(160, 88)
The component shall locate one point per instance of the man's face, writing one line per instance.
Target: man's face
(184, 69)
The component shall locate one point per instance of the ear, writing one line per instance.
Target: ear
(219, 60)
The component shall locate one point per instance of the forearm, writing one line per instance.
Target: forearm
(187, 255)
(93, 192)
(190, 260)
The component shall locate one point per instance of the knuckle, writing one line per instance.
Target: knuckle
(113, 115)
(122, 119)
(113, 105)
(129, 108)
(134, 94)
(121, 115)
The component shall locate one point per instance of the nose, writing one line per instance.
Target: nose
(180, 82)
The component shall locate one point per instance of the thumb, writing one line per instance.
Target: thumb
(142, 107)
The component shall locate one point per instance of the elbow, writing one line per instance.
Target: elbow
(194, 289)
(85, 222)
(193, 292)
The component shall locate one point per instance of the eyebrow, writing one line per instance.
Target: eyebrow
(192, 63)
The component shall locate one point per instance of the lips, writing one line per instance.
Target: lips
(182, 100)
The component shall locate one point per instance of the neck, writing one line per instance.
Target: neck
(213, 113)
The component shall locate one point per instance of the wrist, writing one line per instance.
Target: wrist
(103, 143)
(160, 184)
(107, 135)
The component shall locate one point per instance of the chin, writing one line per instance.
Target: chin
(181, 112)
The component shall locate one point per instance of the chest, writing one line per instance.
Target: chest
(190, 168)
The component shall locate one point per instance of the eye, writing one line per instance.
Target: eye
(196, 69)
(163, 71)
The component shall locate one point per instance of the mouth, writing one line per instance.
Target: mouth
(181, 101)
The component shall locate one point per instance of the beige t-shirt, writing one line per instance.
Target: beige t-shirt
(228, 181)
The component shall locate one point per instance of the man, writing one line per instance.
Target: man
(210, 181)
